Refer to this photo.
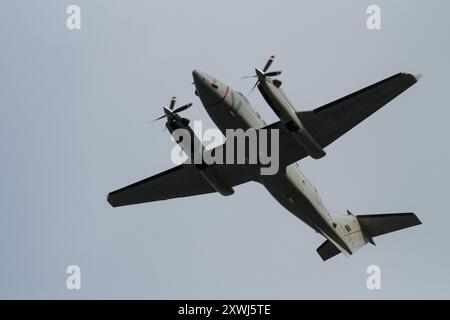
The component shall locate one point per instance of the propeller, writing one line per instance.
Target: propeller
(168, 111)
(261, 74)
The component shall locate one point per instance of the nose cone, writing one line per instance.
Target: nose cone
(209, 89)
(198, 76)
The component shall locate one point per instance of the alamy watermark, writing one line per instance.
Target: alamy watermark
(373, 281)
(73, 281)
(73, 21)
(373, 21)
(252, 146)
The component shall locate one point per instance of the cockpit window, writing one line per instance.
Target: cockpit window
(214, 84)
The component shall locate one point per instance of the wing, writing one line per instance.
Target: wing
(329, 122)
(326, 124)
(180, 181)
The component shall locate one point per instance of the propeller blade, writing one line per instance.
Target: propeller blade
(268, 63)
(248, 77)
(159, 118)
(182, 108)
(272, 73)
(256, 83)
(172, 103)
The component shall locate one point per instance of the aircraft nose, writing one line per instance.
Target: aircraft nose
(198, 76)
(207, 88)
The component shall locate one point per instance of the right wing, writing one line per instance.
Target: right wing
(329, 122)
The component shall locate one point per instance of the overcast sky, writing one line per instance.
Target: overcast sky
(74, 106)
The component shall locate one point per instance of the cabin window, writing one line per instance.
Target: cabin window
(347, 227)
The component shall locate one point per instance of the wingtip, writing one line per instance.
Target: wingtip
(418, 76)
(416, 218)
(418, 221)
(110, 200)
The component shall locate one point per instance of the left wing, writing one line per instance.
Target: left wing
(180, 181)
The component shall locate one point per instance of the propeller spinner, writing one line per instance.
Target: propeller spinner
(169, 111)
(261, 74)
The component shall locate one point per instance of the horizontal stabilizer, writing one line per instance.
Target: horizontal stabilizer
(327, 250)
(377, 224)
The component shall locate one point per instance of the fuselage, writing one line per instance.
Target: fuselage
(229, 109)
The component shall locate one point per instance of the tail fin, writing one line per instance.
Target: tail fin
(377, 224)
(357, 231)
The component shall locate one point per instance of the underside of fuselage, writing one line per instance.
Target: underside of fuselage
(230, 109)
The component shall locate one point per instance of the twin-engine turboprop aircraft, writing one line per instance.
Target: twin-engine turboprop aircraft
(301, 134)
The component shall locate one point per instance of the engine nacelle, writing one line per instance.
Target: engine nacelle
(304, 138)
(280, 104)
(194, 149)
(216, 181)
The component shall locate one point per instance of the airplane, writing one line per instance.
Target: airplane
(301, 134)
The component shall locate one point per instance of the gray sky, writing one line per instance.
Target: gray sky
(74, 106)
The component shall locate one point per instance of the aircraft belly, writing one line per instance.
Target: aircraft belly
(290, 197)
(223, 119)
(233, 113)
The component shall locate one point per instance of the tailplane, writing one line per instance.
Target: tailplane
(359, 230)
(327, 250)
(374, 225)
